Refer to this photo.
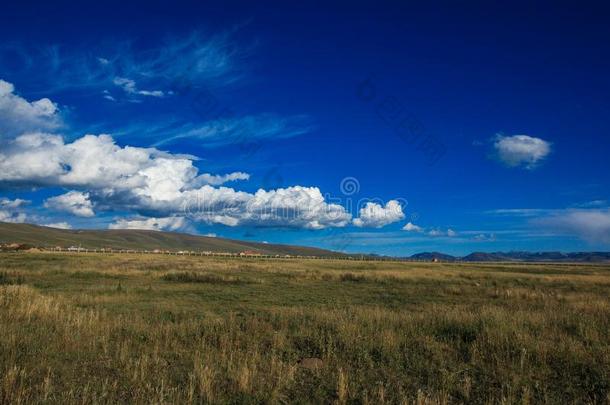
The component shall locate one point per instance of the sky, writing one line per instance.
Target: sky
(372, 127)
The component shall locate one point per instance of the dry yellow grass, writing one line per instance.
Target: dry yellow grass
(107, 329)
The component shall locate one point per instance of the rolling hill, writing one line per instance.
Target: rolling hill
(41, 236)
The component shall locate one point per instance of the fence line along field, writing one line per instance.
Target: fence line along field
(82, 328)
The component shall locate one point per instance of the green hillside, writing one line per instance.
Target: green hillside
(41, 236)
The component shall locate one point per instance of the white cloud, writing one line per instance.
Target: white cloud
(178, 63)
(73, 202)
(91, 161)
(376, 216)
(217, 180)
(148, 180)
(152, 224)
(14, 217)
(520, 212)
(593, 204)
(590, 225)
(432, 232)
(129, 87)
(18, 115)
(11, 210)
(11, 204)
(521, 150)
(449, 233)
(59, 225)
(484, 237)
(410, 227)
(297, 206)
(106, 94)
(247, 131)
(159, 184)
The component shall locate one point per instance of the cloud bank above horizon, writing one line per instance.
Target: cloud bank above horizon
(103, 176)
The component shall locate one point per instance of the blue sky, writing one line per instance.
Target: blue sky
(381, 127)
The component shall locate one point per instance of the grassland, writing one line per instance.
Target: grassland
(79, 328)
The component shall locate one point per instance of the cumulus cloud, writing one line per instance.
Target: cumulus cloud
(376, 216)
(73, 202)
(12, 210)
(157, 184)
(18, 115)
(152, 224)
(297, 206)
(150, 181)
(521, 150)
(410, 227)
(14, 217)
(91, 161)
(591, 225)
(6, 203)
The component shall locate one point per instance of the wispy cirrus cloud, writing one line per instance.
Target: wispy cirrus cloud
(592, 225)
(129, 87)
(224, 131)
(58, 225)
(520, 212)
(589, 221)
(177, 63)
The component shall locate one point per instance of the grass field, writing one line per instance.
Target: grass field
(157, 329)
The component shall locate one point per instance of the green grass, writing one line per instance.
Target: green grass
(80, 328)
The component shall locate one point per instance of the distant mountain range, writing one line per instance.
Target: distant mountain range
(429, 256)
(40, 236)
(589, 257)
